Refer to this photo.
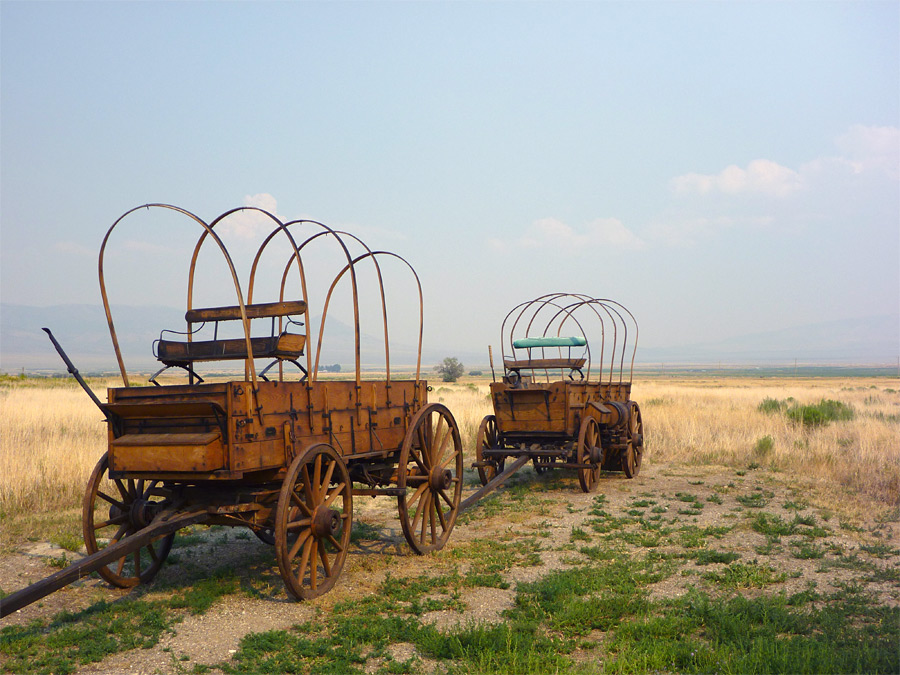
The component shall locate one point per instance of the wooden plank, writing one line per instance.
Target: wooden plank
(255, 311)
(285, 346)
(157, 409)
(202, 438)
(526, 364)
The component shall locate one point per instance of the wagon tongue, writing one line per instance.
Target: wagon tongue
(74, 371)
(104, 556)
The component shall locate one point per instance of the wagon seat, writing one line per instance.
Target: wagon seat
(279, 346)
(513, 366)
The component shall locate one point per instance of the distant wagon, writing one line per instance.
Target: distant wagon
(564, 400)
(278, 450)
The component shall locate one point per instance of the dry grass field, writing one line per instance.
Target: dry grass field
(696, 421)
(51, 436)
(762, 535)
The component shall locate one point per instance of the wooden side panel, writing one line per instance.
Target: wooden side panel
(368, 421)
(616, 391)
(201, 453)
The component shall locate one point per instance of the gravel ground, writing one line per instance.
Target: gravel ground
(551, 515)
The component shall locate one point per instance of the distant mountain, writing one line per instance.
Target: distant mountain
(867, 340)
(83, 332)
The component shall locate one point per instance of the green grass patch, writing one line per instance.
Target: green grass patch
(73, 639)
(701, 634)
(708, 557)
(746, 575)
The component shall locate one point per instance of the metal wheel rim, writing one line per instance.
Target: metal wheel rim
(144, 563)
(315, 480)
(428, 514)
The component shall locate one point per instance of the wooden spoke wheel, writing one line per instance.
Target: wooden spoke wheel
(115, 509)
(488, 438)
(631, 458)
(430, 474)
(313, 520)
(589, 452)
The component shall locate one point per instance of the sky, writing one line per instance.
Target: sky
(719, 168)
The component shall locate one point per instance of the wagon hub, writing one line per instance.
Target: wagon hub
(142, 512)
(596, 455)
(325, 522)
(440, 479)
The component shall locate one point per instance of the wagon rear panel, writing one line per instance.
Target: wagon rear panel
(178, 429)
(553, 408)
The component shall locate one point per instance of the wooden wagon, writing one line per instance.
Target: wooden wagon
(281, 451)
(558, 402)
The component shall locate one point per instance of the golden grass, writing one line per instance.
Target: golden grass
(50, 439)
(718, 422)
(51, 435)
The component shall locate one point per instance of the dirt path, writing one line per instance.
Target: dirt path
(550, 510)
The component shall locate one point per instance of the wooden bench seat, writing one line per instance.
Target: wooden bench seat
(528, 364)
(256, 311)
(287, 346)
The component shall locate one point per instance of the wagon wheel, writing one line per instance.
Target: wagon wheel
(430, 477)
(589, 452)
(313, 519)
(488, 437)
(113, 510)
(631, 458)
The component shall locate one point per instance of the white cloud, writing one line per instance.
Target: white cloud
(71, 248)
(551, 233)
(872, 148)
(761, 177)
(862, 177)
(251, 224)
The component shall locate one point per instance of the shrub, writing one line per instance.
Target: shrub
(772, 405)
(816, 414)
(820, 413)
(764, 445)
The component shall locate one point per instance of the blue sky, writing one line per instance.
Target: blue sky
(719, 168)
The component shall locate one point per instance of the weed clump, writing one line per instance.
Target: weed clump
(812, 415)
